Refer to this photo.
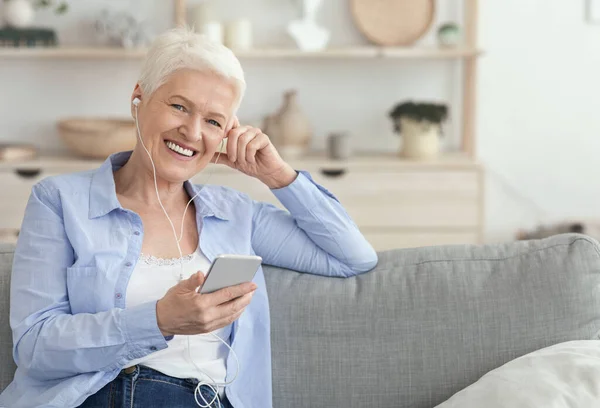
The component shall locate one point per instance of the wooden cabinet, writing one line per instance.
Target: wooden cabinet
(395, 203)
(16, 181)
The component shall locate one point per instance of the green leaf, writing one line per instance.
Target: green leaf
(62, 9)
(42, 3)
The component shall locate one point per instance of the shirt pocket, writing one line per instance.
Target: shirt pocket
(81, 289)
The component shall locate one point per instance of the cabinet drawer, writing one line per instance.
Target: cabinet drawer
(387, 200)
(385, 240)
(393, 185)
(411, 199)
(14, 193)
(413, 212)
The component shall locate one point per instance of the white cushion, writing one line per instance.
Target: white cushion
(559, 376)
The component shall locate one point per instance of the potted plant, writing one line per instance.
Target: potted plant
(449, 35)
(20, 13)
(60, 7)
(420, 125)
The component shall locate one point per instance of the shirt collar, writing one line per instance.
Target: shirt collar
(103, 194)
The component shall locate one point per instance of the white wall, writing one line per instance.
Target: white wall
(536, 92)
(539, 111)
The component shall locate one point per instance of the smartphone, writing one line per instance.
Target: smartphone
(230, 270)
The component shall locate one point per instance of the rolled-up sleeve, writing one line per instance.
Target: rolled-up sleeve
(316, 234)
(49, 341)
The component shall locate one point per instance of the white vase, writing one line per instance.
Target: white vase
(306, 32)
(18, 13)
(420, 140)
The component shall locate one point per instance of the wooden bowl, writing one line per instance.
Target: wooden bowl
(17, 152)
(97, 138)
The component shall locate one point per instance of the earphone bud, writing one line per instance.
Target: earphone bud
(136, 101)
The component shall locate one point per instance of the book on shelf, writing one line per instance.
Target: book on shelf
(27, 37)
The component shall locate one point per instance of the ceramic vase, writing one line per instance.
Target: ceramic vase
(270, 127)
(18, 13)
(121, 29)
(293, 128)
(420, 140)
(306, 32)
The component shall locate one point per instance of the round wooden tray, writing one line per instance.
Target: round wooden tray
(393, 22)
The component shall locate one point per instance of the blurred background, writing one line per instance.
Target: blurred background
(434, 121)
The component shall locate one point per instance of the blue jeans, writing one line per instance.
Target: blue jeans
(143, 387)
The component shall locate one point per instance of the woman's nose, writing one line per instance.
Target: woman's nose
(194, 128)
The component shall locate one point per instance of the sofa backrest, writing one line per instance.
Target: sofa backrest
(427, 322)
(421, 326)
(7, 365)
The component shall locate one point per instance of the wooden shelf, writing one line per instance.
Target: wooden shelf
(363, 161)
(365, 52)
(347, 52)
(391, 161)
(72, 52)
(51, 163)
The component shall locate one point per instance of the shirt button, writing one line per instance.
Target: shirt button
(153, 348)
(128, 264)
(118, 296)
(136, 233)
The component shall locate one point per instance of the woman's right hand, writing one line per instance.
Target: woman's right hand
(185, 311)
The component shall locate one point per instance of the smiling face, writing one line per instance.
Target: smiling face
(183, 122)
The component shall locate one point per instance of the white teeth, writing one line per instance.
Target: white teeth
(179, 149)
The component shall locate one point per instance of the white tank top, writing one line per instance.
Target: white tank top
(151, 278)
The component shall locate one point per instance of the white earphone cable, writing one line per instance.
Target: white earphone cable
(177, 241)
(206, 182)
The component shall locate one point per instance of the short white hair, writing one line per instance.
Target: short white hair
(181, 48)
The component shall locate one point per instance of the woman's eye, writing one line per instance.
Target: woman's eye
(178, 107)
(214, 123)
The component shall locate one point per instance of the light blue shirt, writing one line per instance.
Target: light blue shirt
(78, 247)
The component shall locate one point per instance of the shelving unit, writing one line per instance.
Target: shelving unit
(396, 202)
(468, 54)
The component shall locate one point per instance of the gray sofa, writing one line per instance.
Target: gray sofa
(421, 326)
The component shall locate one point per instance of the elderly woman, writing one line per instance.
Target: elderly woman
(105, 309)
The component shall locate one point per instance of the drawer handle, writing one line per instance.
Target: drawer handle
(28, 173)
(333, 172)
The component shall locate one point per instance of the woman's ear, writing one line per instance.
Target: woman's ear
(136, 94)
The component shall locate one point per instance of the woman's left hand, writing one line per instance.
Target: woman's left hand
(250, 151)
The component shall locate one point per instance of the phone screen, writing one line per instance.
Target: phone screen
(230, 270)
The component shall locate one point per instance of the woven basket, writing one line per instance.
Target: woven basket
(97, 138)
